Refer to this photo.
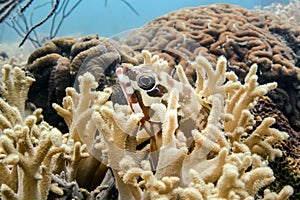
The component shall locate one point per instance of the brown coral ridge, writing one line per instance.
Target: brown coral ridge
(56, 65)
(244, 37)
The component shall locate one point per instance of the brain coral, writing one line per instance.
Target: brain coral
(56, 65)
(244, 37)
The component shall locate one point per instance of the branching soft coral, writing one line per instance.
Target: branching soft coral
(32, 163)
(27, 145)
(77, 111)
(227, 159)
(222, 163)
(15, 88)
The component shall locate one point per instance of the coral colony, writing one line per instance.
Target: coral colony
(225, 162)
(149, 118)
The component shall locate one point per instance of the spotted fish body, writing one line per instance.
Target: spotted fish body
(146, 85)
(143, 86)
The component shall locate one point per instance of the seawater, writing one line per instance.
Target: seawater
(110, 17)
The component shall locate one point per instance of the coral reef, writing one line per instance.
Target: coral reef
(56, 65)
(236, 155)
(25, 146)
(54, 55)
(286, 168)
(37, 161)
(288, 12)
(189, 121)
(244, 37)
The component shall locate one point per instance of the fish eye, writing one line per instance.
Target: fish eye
(146, 81)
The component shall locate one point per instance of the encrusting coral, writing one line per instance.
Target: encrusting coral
(228, 159)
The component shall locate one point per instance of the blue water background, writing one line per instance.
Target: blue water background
(93, 16)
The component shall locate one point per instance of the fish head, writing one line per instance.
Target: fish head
(141, 87)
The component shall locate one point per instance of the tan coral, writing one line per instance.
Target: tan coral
(31, 149)
(27, 147)
(219, 162)
(77, 111)
(15, 88)
(286, 168)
